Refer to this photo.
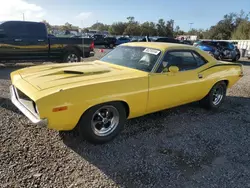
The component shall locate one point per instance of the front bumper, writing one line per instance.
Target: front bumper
(24, 109)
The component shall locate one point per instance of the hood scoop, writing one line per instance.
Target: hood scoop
(87, 71)
(72, 72)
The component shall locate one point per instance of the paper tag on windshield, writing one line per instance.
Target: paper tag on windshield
(151, 51)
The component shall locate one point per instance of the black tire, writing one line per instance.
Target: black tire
(87, 129)
(209, 101)
(76, 56)
(87, 54)
(236, 58)
(111, 45)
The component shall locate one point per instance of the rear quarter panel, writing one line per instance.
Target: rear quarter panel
(57, 45)
(230, 73)
(133, 91)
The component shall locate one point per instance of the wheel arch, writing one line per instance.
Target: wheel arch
(124, 103)
(70, 48)
(226, 81)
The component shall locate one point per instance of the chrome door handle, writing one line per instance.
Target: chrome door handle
(17, 40)
(40, 40)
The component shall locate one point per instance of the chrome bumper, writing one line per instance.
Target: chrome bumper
(28, 113)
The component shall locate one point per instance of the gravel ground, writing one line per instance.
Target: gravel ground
(181, 147)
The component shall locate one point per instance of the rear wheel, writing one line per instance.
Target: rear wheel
(215, 97)
(111, 45)
(71, 57)
(102, 123)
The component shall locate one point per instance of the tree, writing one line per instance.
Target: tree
(148, 28)
(117, 28)
(131, 19)
(243, 31)
(48, 26)
(133, 29)
(86, 30)
(67, 26)
(100, 26)
(170, 28)
(228, 25)
(161, 31)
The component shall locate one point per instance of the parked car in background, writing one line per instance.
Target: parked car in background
(107, 41)
(196, 43)
(122, 40)
(134, 39)
(248, 54)
(166, 39)
(220, 49)
(29, 41)
(134, 79)
(188, 42)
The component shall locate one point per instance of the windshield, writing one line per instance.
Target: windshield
(139, 58)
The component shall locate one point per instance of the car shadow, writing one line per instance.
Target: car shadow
(7, 104)
(244, 62)
(143, 153)
(5, 70)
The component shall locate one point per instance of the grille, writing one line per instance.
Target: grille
(21, 95)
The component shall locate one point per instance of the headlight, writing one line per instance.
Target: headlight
(36, 109)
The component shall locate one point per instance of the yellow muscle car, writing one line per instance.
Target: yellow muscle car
(134, 79)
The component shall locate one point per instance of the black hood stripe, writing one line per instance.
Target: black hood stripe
(219, 65)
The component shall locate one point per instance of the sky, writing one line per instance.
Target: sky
(84, 13)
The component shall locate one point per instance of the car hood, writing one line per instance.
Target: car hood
(58, 75)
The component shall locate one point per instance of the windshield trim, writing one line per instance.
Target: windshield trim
(156, 62)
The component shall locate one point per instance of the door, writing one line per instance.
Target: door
(25, 41)
(168, 89)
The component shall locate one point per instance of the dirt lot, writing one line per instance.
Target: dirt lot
(182, 147)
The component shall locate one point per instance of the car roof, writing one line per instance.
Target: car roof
(164, 46)
(159, 45)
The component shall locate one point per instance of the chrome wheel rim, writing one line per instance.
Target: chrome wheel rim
(218, 95)
(105, 120)
(72, 58)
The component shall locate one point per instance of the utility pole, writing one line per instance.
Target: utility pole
(23, 17)
(191, 26)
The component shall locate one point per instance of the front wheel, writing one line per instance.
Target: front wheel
(102, 123)
(215, 97)
(236, 58)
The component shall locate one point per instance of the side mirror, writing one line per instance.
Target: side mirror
(173, 69)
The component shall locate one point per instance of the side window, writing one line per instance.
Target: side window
(2, 32)
(230, 46)
(20, 29)
(200, 61)
(35, 30)
(14, 29)
(184, 60)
